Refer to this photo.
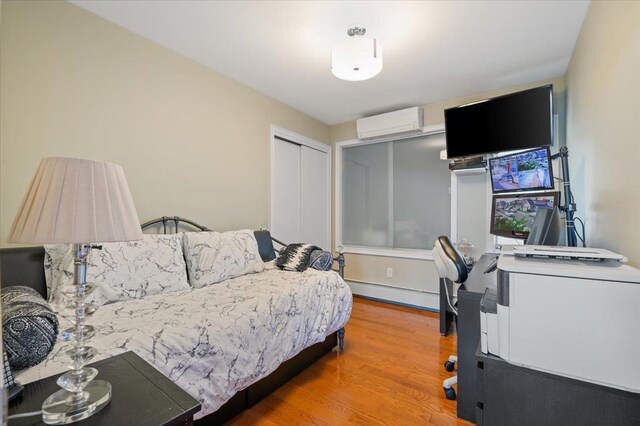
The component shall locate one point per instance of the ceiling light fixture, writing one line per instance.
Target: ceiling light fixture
(356, 58)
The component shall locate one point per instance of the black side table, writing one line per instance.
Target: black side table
(141, 395)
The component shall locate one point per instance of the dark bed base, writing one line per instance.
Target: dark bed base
(255, 393)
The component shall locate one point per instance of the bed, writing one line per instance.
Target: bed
(228, 344)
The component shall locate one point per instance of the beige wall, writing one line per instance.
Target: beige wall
(421, 274)
(603, 126)
(191, 141)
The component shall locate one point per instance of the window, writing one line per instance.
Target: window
(395, 195)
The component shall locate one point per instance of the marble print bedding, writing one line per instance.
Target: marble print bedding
(219, 339)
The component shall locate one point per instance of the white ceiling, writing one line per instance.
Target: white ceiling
(432, 50)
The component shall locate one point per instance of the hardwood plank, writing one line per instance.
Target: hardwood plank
(253, 418)
(364, 398)
(390, 372)
(335, 410)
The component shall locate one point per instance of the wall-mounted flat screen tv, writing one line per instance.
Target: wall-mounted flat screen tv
(525, 171)
(513, 215)
(512, 122)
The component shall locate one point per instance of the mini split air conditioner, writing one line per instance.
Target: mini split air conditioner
(403, 122)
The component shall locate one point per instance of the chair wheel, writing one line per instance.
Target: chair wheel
(450, 393)
(449, 366)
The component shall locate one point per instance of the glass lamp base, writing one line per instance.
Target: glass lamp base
(60, 408)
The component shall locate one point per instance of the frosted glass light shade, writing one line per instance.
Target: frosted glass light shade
(356, 59)
(76, 201)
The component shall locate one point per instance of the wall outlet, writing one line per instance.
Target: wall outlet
(389, 272)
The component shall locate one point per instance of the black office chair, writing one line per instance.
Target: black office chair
(451, 265)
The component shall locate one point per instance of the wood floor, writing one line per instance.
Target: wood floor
(390, 372)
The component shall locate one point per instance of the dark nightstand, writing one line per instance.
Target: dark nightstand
(141, 395)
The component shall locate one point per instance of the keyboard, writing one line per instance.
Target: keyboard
(578, 253)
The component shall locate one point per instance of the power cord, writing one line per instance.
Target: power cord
(584, 235)
(32, 413)
(29, 414)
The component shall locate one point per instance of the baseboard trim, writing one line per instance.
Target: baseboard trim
(397, 296)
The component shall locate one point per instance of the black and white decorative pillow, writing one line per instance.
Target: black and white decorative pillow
(320, 260)
(295, 257)
(29, 326)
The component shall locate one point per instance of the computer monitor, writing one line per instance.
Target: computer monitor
(525, 171)
(546, 228)
(513, 215)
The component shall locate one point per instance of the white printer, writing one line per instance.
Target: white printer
(574, 318)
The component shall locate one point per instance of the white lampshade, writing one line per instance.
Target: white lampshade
(76, 201)
(356, 58)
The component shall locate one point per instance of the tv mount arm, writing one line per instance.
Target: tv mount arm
(569, 205)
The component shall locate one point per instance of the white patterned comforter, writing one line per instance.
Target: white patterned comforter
(217, 340)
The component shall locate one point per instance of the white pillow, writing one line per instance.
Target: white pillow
(123, 271)
(213, 256)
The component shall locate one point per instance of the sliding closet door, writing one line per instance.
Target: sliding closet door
(286, 192)
(314, 197)
(300, 194)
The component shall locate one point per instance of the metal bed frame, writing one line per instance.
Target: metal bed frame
(176, 221)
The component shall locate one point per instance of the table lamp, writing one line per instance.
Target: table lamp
(78, 202)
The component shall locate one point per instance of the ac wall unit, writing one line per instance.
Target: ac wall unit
(402, 122)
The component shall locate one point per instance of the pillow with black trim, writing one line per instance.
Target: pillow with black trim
(29, 326)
